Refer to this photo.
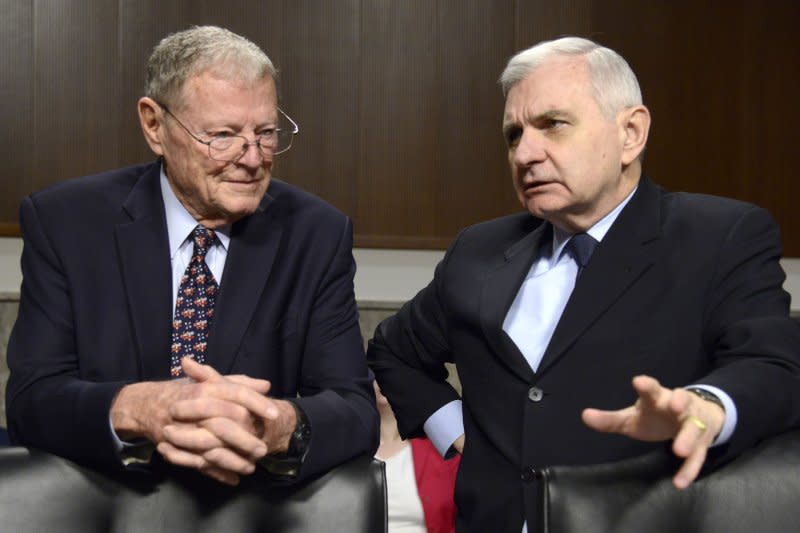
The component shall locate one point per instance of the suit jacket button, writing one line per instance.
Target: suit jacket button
(529, 473)
(535, 394)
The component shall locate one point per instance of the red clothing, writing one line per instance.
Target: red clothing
(436, 478)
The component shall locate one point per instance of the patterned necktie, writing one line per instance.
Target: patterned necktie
(194, 306)
(581, 246)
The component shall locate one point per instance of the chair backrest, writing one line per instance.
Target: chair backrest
(758, 491)
(41, 492)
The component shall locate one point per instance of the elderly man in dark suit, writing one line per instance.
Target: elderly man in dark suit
(606, 281)
(194, 305)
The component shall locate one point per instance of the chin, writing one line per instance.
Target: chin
(543, 205)
(234, 211)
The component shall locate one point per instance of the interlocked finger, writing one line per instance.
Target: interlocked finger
(236, 437)
(227, 459)
(191, 437)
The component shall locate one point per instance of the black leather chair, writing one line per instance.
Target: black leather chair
(757, 492)
(40, 492)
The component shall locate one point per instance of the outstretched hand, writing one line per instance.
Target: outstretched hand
(661, 414)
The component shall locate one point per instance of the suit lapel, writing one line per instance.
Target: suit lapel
(498, 293)
(143, 251)
(629, 248)
(253, 248)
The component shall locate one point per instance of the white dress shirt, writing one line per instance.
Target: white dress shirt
(180, 225)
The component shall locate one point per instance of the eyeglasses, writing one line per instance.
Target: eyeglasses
(229, 148)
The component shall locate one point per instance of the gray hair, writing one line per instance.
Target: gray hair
(614, 84)
(182, 55)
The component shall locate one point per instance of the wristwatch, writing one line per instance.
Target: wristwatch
(708, 396)
(301, 436)
(287, 464)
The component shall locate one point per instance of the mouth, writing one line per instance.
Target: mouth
(246, 180)
(248, 186)
(537, 185)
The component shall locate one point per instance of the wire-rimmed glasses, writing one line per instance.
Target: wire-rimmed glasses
(229, 148)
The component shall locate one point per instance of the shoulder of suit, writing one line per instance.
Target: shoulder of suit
(512, 227)
(705, 205)
(117, 183)
(291, 197)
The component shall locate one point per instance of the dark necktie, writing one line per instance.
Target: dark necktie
(581, 246)
(194, 306)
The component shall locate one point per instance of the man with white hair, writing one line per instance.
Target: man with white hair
(607, 318)
(194, 306)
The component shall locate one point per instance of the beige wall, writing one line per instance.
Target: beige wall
(8, 314)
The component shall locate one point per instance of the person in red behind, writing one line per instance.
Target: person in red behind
(419, 482)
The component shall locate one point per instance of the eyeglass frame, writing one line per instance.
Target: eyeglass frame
(247, 143)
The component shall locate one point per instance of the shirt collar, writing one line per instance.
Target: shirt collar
(180, 223)
(598, 230)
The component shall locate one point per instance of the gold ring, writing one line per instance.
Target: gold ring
(697, 422)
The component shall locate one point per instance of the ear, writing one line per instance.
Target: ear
(151, 118)
(634, 125)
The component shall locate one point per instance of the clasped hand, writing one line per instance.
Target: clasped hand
(219, 425)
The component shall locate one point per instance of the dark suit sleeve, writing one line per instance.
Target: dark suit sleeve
(755, 345)
(408, 353)
(336, 384)
(48, 404)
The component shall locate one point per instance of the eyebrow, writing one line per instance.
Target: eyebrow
(550, 114)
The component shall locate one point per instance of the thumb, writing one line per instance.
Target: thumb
(197, 371)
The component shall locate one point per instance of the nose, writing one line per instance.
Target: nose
(529, 149)
(252, 157)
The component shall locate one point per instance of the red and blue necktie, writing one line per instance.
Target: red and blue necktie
(194, 306)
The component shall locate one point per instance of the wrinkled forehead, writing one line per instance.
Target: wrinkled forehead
(211, 101)
(219, 80)
(559, 83)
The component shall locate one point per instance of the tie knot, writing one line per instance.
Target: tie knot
(203, 239)
(582, 246)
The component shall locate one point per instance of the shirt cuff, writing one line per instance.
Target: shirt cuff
(139, 451)
(731, 416)
(445, 426)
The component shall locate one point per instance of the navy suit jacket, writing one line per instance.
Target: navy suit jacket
(684, 287)
(96, 310)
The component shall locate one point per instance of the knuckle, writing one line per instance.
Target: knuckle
(234, 411)
(241, 394)
(215, 455)
(216, 427)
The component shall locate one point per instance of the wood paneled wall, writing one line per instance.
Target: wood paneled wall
(397, 100)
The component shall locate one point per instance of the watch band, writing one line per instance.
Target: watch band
(301, 435)
(287, 464)
(708, 396)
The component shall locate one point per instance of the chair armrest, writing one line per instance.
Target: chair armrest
(758, 491)
(42, 492)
